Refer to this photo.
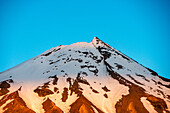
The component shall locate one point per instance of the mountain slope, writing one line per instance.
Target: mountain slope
(83, 77)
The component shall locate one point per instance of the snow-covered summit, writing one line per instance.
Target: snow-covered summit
(83, 77)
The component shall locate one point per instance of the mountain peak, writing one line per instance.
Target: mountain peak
(83, 77)
(95, 39)
(97, 42)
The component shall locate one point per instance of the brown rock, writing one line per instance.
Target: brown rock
(43, 92)
(64, 95)
(105, 95)
(83, 105)
(85, 109)
(158, 103)
(74, 87)
(16, 106)
(4, 85)
(131, 103)
(3, 91)
(50, 107)
(105, 89)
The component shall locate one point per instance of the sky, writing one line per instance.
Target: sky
(138, 28)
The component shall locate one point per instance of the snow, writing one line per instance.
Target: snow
(133, 69)
(68, 62)
(116, 92)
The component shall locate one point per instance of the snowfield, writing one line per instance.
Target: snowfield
(92, 76)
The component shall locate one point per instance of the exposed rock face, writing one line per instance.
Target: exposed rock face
(83, 78)
(64, 95)
(159, 104)
(131, 103)
(50, 107)
(4, 85)
(82, 105)
(42, 91)
(16, 104)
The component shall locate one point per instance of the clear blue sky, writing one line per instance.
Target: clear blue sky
(138, 28)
